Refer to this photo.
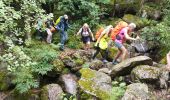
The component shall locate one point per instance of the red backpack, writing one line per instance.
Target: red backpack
(117, 29)
(98, 33)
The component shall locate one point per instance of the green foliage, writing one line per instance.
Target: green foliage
(43, 54)
(86, 10)
(17, 17)
(118, 90)
(20, 66)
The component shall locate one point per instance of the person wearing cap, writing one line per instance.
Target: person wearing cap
(122, 36)
(86, 35)
(49, 27)
(62, 26)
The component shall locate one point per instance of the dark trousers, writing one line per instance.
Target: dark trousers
(104, 53)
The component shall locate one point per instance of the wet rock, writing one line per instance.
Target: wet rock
(145, 73)
(51, 92)
(127, 65)
(104, 70)
(95, 83)
(96, 64)
(137, 91)
(70, 83)
(140, 46)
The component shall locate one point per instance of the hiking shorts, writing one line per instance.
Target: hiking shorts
(118, 45)
(86, 39)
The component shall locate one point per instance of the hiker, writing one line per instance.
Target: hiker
(39, 28)
(121, 38)
(49, 27)
(62, 26)
(86, 35)
(103, 43)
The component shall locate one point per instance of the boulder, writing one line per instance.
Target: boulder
(51, 92)
(127, 6)
(70, 83)
(164, 77)
(13, 95)
(5, 78)
(127, 65)
(137, 91)
(145, 73)
(104, 70)
(96, 64)
(95, 83)
(140, 22)
(58, 66)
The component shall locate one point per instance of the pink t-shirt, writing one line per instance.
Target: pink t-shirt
(120, 38)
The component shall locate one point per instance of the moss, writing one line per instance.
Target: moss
(140, 22)
(3, 84)
(44, 93)
(58, 65)
(65, 71)
(163, 61)
(88, 84)
(87, 73)
(79, 62)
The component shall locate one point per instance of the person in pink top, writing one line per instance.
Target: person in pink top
(121, 37)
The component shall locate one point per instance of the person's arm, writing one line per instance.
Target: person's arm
(128, 37)
(78, 33)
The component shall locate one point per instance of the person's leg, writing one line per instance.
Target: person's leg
(88, 43)
(65, 37)
(104, 54)
(124, 53)
(119, 53)
(49, 36)
(96, 53)
(62, 40)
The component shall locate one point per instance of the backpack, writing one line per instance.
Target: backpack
(99, 31)
(117, 29)
(58, 20)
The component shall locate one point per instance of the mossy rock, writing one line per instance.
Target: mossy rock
(163, 61)
(137, 91)
(4, 85)
(79, 62)
(51, 92)
(145, 73)
(95, 83)
(5, 78)
(30, 95)
(140, 22)
(112, 52)
(58, 65)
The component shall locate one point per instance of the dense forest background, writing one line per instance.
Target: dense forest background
(25, 60)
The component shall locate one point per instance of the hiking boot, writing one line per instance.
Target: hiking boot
(105, 61)
(114, 62)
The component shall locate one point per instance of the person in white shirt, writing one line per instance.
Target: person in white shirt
(86, 35)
